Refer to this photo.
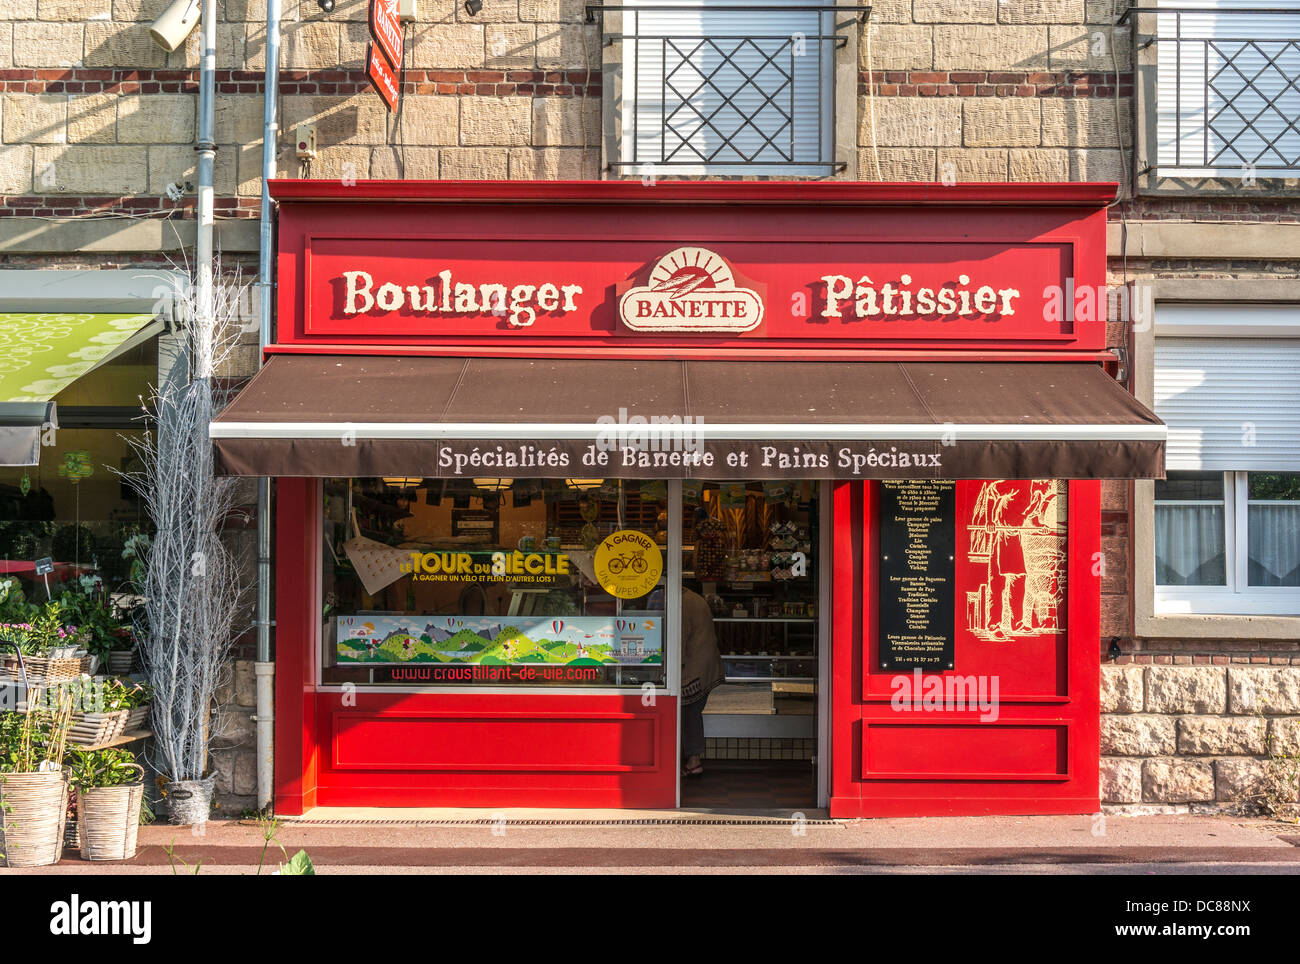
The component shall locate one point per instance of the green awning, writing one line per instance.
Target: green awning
(41, 354)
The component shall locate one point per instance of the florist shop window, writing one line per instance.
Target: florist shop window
(74, 507)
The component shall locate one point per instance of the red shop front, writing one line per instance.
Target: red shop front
(517, 429)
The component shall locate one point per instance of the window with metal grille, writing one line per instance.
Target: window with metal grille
(1228, 89)
(728, 88)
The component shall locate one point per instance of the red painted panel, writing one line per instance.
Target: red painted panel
(297, 609)
(1040, 755)
(457, 749)
(489, 750)
(346, 275)
(963, 751)
(847, 647)
(571, 742)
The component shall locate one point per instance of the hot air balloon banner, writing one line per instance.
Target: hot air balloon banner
(498, 640)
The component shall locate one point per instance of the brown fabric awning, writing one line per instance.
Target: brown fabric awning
(336, 415)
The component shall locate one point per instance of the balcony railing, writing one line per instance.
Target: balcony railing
(729, 89)
(1227, 92)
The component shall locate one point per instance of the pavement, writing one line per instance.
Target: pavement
(444, 841)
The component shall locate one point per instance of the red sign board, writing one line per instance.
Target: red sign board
(708, 268)
(387, 32)
(382, 77)
(857, 289)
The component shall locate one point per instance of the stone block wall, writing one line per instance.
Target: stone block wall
(1195, 735)
(994, 90)
(234, 743)
(95, 118)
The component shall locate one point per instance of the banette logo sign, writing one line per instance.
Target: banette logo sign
(691, 289)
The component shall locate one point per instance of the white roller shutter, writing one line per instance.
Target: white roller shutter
(1231, 404)
(1234, 101)
(725, 85)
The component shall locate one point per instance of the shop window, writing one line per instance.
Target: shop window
(73, 506)
(494, 582)
(727, 88)
(1227, 517)
(1226, 100)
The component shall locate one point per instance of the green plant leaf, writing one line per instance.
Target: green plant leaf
(299, 865)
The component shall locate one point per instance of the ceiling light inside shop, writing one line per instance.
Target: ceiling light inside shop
(402, 483)
(584, 484)
(494, 485)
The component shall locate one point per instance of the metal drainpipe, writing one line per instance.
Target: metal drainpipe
(207, 151)
(264, 669)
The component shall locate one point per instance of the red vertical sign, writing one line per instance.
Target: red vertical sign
(386, 30)
(382, 77)
(384, 55)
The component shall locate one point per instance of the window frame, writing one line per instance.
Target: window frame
(1148, 178)
(672, 635)
(1258, 316)
(1237, 597)
(837, 118)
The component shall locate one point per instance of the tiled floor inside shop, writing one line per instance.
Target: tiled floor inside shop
(751, 784)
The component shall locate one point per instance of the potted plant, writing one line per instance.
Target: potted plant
(101, 709)
(110, 792)
(136, 698)
(33, 786)
(52, 652)
(100, 625)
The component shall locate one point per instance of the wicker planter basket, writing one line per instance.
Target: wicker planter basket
(94, 729)
(41, 669)
(138, 718)
(33, 810)
(108, 819)
(189, 802)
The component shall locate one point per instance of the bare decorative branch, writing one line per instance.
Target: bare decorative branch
(192, 585)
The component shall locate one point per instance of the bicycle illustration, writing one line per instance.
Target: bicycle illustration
(629, 560)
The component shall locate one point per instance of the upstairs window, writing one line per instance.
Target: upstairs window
(1228, 101)
(724, 88)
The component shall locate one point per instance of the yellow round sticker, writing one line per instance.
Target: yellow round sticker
(628, 564)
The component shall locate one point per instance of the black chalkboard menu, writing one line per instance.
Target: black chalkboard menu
(918, 534)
